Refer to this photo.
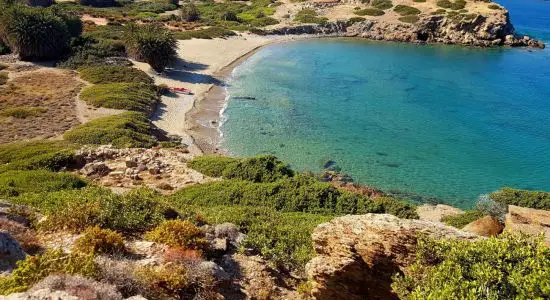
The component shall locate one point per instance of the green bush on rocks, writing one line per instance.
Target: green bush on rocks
(530, 199)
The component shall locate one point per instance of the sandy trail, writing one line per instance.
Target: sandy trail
(200, 61)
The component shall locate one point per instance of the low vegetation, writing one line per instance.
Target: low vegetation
(504, 267)
(382, 4)
(207, 33)
(49, 155)
(494, 6)
(114, 74)
(140, 97)
(405, 10)
(369, 12)
(309, 16)
(176, 233)
(461, 220)
(99, 241)
(531, 199)
(456, 5)
(409, 19)
(35, 268)
(14, 183)
(22, 112)
(3, 78)
(126, 130)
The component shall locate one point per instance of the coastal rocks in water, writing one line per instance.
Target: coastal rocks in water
(486, 226)
(434, 213)
(529, 221)
(10, 251)
(358, 254)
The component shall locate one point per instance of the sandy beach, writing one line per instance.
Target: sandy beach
(202, 67)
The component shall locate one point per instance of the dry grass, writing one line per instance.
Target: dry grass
(48, 93)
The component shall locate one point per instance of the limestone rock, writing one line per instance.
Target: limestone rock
(434, 213)
(529, 221)
(97, 168)
(486, 226)
(10, 251)
(358, 254)
(213, 269)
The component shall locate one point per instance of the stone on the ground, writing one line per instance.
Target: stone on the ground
(10, 251)
(435, 213)
(529, 221)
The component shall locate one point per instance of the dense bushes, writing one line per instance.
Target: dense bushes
(52, 156)
(35, 268)
(456, 5)
(397, 207)
(207, 33)
(136, 211)
(126, 130)
(36, 33)
(122, 95)
(21, 112)
(152, 44)
(282, 238)
(382, 4)
(97, 3)
(505, 267)
(189, 12)
(531, 199)
(405, 10)
(114, 74)
(369, 12)
(295, 194)
(178, 233)
(309, 16)
(461, 220)
(14, 183)
(257, 169)
(99, 241)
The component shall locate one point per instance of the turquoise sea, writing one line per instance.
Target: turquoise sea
(432, 123)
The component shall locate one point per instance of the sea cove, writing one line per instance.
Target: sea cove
(429, 122)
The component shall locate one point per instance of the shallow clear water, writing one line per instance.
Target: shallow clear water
(426, 121)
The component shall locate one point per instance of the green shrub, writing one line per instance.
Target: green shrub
(405, 10)
(397, 208)
(294, 194)
(189, 12)
(4, 49)
(382, 4)
(126, 130)
(136, 211)
(211, 165)
(99, 241)
(176, 233)
(114, 74)
(419, 1)
(21, 112)
(524, 198)
(464, 219)
(440, 11)
(409, 19)
(309, 16)
(456, 5)
(97, 3)
(356, 19)
(494, 6)
(170, 279)
(34, 33)
(265, 21)
(369, 12)
(3, 78)
(50, 155)
(207, 33)
(14, 183)
(152, 44)
(503, 267)
(282, 238)
(265, 168)
(35, 268)
(122, 95)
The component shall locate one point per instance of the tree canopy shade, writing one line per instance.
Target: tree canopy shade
(151, 43)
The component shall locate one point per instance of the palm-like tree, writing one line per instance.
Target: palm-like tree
(151, 43)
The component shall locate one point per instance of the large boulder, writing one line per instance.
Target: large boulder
(529, 221)
(358, 254)
(435, 213)
(485, 226)
(10, 251)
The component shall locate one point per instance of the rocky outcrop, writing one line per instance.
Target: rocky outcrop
(358, 254)
(486, 226)
(529, 221)
(10, 251)
(434, 213)
(494, 30)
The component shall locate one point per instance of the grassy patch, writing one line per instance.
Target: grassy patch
(409, 19)
(456, 5)
(369, 12)
(440, 11)
(356, 19)
(309, 16)
(207, 33)
(382, 4)
(464, 219)
(23, 112)
(494, 6)
(130, 96)
(405, 10)
(211, 165)
(126, 130)
(524, 198)
(52, 156)
(14, 183)
(114, 74)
